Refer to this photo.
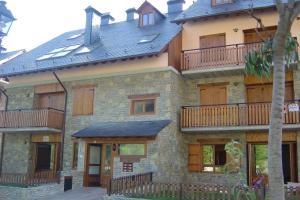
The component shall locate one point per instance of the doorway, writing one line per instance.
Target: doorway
(99, 165)
(258, 162)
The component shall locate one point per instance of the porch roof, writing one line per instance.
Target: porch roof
(123, 129)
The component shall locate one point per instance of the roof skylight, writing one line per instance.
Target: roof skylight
(59, 52)
(84, 50)
(75, 36)
(148, 38)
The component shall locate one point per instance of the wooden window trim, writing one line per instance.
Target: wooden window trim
(143, 100)
(75, 165)
(143, 96)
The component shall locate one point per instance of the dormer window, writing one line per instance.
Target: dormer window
(149, 15)
(220, 2)
(148, 19)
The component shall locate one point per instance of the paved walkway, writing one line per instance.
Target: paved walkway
(79, 194)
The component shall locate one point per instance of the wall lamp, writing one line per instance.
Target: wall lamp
(235, 30)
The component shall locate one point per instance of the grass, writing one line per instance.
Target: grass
(15, 185)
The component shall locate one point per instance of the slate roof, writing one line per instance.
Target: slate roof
(10, 55)
(203, 8)
(123, 129)
(118, 41)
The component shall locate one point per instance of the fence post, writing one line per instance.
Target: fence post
(180, 191)
(109, 187)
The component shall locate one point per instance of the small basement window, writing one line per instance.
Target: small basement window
(148, 38)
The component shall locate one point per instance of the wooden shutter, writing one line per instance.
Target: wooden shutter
(83, 101)
(212, 41)
(195, 158)
(213, 94)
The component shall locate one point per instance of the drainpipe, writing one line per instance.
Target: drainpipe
(64, 123)
(3, 134)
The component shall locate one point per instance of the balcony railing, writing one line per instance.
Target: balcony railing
(32, 118)
(247, 114)
(215, 57)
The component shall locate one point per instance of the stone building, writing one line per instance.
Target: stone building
(161, 93)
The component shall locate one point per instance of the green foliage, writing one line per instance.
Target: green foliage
(260, 61)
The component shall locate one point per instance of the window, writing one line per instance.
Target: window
(132, 150)
(214, 158)
(140, 107)
(83, 101)
(59, 52)
(148, 19)
(74, 36)
(220, 2)
(209, 156)
(75, 155)
(84, 50)
(148, 38)
(127, 167)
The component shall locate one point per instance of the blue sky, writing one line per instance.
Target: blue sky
(41, 20)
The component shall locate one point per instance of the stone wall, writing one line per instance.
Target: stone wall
(16, 157)
(20, 98)
(32, 193)
(111, 103)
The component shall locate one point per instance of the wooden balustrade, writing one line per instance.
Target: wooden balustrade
(49, 117)
(234, 115)
(25, 180)
(217, 56)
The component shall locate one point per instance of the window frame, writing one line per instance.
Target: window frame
(214, 166)
(132, 158)
(214, 142)
(143, 98)
(74, 155)
(149, 15)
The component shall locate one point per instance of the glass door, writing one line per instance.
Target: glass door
(106, 168)
(258, 162)
(94, 165)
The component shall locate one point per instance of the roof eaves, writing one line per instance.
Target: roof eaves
(62, 67)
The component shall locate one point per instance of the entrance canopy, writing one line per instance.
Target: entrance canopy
(123, 129)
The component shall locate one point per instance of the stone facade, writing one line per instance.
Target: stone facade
(167, 155)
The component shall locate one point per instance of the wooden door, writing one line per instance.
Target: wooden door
(107, 164)
(52, 100)
(93, 166)
(213, 94)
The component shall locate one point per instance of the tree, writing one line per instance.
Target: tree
(276, 52)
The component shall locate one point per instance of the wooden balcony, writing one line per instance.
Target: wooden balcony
(230, 117)
(47, 119)
(216, 59)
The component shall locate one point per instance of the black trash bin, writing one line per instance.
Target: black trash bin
(68, 183)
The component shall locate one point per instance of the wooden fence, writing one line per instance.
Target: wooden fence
(145, 188)
(234, 115)
(25, 180)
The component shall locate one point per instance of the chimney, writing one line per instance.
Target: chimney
(130, 14)
(175, 6)
(91, 34)
(106, 18)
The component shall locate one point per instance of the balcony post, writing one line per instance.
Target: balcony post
(237, 54)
